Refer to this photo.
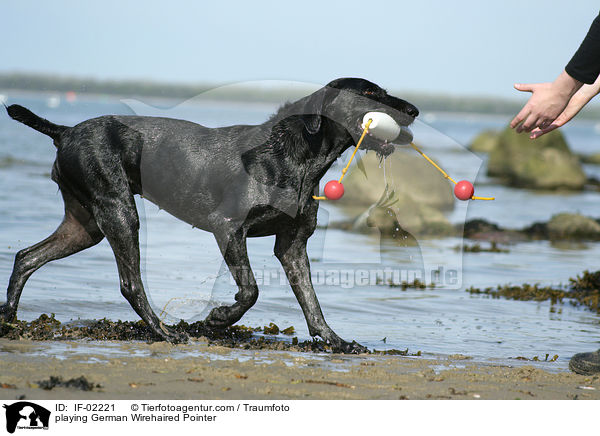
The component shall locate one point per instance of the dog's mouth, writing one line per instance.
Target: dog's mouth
(385, 147)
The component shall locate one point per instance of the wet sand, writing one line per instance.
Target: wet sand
(197, 370)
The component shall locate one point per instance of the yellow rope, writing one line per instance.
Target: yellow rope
(365, 130)
(432, 163)
(444, 172)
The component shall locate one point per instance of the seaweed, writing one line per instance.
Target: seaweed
(289, 331)
(47, 327)
(524, 292)
(73, 383)
(537, 358)
(396, 352)
(404, 285)
(271, 329)
(477, 248)
(325, 382)
(583, 290)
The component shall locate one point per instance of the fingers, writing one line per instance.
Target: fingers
(543, 124)
(520, 117)
(537, 132)
(525, 87)
(529, 124)
(561, 120)
(537, 112)
(526, 111)
(530, 121)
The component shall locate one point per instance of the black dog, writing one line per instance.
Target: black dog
(236, 182)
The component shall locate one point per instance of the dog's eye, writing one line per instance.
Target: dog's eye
(369, 92)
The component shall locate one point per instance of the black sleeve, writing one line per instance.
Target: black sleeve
(585, 63)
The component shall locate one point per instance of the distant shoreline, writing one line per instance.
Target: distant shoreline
(140, 88)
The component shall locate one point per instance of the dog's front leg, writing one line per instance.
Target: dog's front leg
(233, 247)
(290, 249)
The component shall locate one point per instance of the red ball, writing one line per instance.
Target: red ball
(464, 190)
(334, 190)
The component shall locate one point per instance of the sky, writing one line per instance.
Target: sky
(451, 47)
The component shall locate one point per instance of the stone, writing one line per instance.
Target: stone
(573, 226)
(545, 163)
(485, 142)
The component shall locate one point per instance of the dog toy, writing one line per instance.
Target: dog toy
(334, 190)
(383, 127)
(464, 190)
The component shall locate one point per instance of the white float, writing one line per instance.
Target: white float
(382, 127)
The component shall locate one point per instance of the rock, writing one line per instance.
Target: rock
(561, 227)
(479, 225)
(485, 142)
(411, 177)
(573, 226)
(544, 163)
(483, 230)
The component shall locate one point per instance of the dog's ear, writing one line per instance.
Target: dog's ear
(312, 123)
(313, 110)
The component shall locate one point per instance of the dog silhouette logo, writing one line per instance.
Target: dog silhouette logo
(26, 415)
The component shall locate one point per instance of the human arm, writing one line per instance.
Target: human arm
(585, 63)
(550, 100)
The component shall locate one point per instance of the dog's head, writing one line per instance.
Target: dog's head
(347, 100)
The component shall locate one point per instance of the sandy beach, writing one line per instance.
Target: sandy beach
(197, 370)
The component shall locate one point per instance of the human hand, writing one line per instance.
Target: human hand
(547, 102)
(577, 102)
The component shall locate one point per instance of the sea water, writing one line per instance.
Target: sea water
(185, 276)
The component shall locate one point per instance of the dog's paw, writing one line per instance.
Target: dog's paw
(171, 335)
(350, 348)
(179, 338)
(219, 318)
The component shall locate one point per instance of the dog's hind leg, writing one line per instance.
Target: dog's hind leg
(77, 232)
(233, 248)
(290, 249)
(118, 219)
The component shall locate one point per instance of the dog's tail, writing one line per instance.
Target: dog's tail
(25, 116)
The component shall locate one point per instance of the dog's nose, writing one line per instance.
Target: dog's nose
(412, 110)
